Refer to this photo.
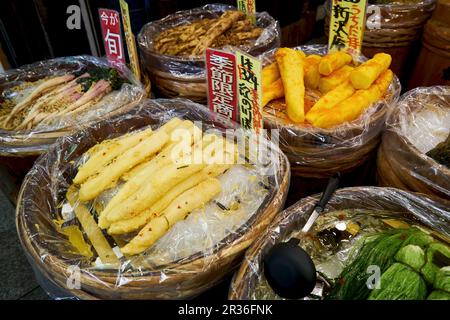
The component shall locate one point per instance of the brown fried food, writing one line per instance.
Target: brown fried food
(231, 29)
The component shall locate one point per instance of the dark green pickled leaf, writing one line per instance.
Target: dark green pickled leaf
(352, 284)
(436, 255)
(108, 74)
(441, 153)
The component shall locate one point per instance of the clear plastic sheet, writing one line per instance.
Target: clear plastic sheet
(183, 76)
(36, 140)
(420, 121)
(318, 153)
(370, 204)
(194, 255)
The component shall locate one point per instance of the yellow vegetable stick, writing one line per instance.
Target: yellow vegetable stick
(329, 100)
(290, 64)
(107, 153)
(163, 159)
(364, 75)
(164, 156)
(146, 196)
(155, 187)
(134, 223)
(383, 82)
(178, 210)
(136, 182)
(110, 174)
(75, 237)
(313, 58)
(351, 108)
(270, 74)
(168, 127)
(300, 53)
(312, 75)
(345, 111)
(274, 91)
(331, 81)
(273, 88)
(93, 232)
(333, 61)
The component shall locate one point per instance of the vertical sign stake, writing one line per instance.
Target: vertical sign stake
(131, 42)
(249, 8)
(347, 23)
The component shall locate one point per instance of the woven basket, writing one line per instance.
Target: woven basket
(302, 147)
(181, 279)
(433, 215)
(401, 27)
(183, 77)
(402, 165)
(318, 153)
(432, 67)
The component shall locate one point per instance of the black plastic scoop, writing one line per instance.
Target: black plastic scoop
(289, 270)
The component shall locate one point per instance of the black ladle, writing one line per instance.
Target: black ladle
(289, 270)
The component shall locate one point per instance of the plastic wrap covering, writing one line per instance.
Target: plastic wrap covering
(191, 257)
(318, 153)
(420, 123)
(185, 77)
(350, 219)
(35, 139)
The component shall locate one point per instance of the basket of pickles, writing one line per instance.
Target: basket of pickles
(369, 243)
(329, 108)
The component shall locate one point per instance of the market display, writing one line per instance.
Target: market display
(415, 154)
(150, 197)
(164, 198)
(172, 49)
(352, 241)
(345, 91)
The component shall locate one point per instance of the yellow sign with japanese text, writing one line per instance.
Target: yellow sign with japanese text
(249, 8)
(131, 42)
(347, 22)
(249, 88)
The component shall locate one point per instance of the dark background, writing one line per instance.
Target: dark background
(33, 30)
